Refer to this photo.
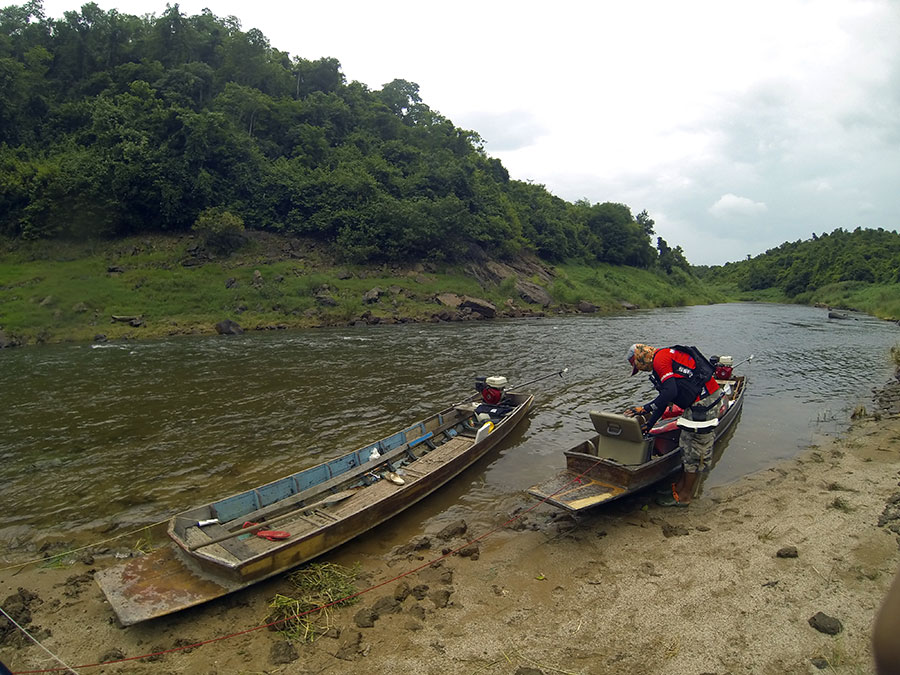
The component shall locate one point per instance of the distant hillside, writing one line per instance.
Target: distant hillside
(858, 269)
(114, 125)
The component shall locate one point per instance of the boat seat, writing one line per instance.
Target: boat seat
(620, 438)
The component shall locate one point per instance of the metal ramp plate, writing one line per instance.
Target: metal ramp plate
(570, 491)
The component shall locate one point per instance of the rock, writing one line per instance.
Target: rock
(454, 529)
(787, 552)
(115, 269)
(420, 592)
(586, 307)
(228, 327)
(372, 295)
(257, 279)
(350, 649)
(469, 551)
(231, 282)
(386, 605)
(282, 653)
(325, 299)
(825, 624)
(441, 597)
(100, 337)
(418, 611)
(819, 662)
(627, 305)
(483, 307)
(451, 300)
(366, 617)
(8, 341)
(528, 670)
(531, 292)
(402, 590)
(414, 545)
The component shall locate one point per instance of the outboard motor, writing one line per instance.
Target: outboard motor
(724, 368)
(491, 388)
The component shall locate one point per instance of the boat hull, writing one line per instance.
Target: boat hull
(589, 481)
(190, 571)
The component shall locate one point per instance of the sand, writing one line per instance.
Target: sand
(729, 585)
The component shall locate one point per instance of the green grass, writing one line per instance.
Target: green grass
(607, 286)
(54, 291)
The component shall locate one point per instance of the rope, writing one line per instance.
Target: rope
(82, 548)
(327, 605)
(37, 642)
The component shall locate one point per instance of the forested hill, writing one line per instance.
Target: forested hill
(798, 269)
(112, 125)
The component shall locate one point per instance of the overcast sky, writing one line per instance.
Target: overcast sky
(736, 125)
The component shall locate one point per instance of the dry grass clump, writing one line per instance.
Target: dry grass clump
(319, 587)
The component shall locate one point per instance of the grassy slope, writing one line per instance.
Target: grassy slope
(880, 300)
(52, 291)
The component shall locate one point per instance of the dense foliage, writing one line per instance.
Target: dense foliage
(801, 267)
(113, 125)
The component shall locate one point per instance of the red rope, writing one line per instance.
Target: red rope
(325, 606)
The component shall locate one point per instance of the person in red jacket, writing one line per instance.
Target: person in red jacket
(683, 376)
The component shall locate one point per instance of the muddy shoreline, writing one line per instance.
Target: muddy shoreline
(780, 572)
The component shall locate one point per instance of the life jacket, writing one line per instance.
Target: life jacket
(693, 378)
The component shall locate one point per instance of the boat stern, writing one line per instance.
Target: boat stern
(159, 583)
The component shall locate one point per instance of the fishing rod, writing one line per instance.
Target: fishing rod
(747, 360)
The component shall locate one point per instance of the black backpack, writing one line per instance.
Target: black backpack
(702, 371)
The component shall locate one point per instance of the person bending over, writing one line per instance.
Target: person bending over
(683, 376)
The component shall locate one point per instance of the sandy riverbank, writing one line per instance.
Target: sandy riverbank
(728, 585)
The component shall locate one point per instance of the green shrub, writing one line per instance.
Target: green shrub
(222, 231)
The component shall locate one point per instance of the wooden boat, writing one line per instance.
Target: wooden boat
(619, 460)
(232, 543)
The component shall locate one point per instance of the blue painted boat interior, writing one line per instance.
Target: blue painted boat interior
(238, 505)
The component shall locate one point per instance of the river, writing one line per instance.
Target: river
(96, 439)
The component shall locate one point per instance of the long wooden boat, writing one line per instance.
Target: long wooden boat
(234, 542)
(619, 460)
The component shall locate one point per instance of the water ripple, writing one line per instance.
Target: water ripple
(123, 434)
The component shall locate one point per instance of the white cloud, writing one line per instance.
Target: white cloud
(732, 206)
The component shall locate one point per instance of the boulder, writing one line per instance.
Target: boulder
(451, 300)
(531, 292)
(372, 295)
(483, 307)
(325, 299)
(228, 327)
(8, 340)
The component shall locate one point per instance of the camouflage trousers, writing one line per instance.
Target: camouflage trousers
(697, 444)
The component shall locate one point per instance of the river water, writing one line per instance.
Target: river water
(98, 439)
